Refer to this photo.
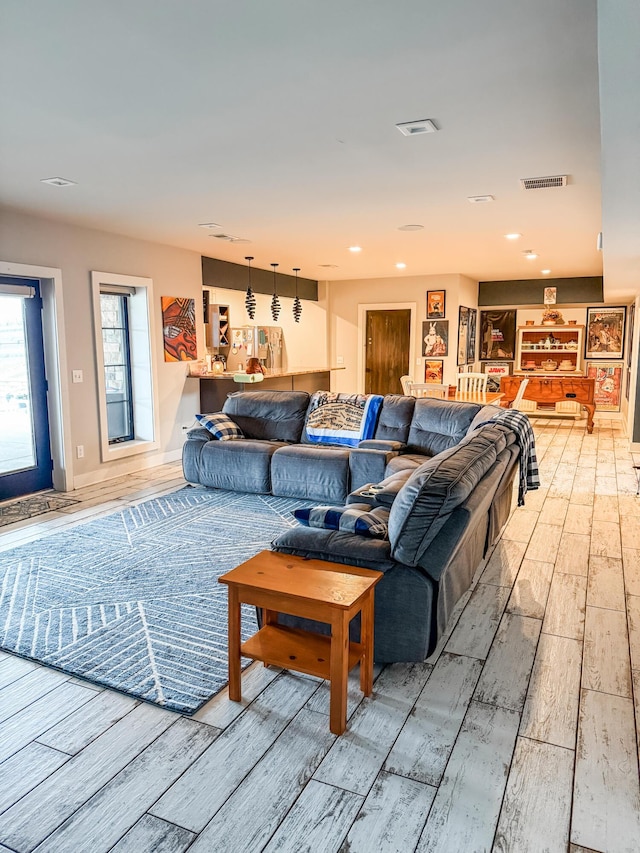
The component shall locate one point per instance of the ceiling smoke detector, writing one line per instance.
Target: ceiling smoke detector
(544, 183)
(58, 182)
(411, 228)
(480, 199)
(415, 128)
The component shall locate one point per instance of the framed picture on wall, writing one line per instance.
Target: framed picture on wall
(463, 334)
(605, 332)
(497, 335)
(179, 328)
(435, 304)
(608, 377)
(471, 335)
(434, 371)
(435, 338)
(630, 321)
(495, 370)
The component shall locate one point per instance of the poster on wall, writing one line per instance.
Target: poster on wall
(434, 371)
(630, 321)
(179, 328)
(435, 304)
(471, 335)
(495, 370)
(463, 334)
(435, 338)
(605, 332)
(497, 335)
(608, 391)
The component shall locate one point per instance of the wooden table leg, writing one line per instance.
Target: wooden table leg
(366, 639)
(338, 672)
(590, 413)
(235, 688)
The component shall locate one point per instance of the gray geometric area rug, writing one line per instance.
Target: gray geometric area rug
(132, 600)
(33, 505)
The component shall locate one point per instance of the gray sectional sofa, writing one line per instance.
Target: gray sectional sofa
(446, 473)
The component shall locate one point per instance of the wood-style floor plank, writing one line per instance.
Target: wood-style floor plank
(465, 812)
(392, 816)
(536, 810)
(318, 821)
(606, 797)
(605, 664)
(504, 563)
(479, 621)
(152, 835)
(192, 801)
(357, 756)
(12, 668)
(61, 794)
(87, 723)
(26, 769)
(506, 672)
(117, 806)
(252, 814)
(573, 554)
(531, 589)
(605, 587)
(566, 606)
(427, 738)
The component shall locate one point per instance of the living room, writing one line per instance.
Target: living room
(142, 156)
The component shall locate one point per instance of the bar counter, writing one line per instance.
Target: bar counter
(214, 387)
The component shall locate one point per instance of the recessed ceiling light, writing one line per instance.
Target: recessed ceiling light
(355, 248)
(401, 266)
(480, 199)
(513, 236)
(58, 182)
(411, 228)
(545, 272)
(415, 128)
(529, 255)
(209, 225)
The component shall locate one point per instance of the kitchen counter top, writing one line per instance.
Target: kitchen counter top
(298, 371)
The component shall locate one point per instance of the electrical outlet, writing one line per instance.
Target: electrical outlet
(185, 427)
(418, 361)
(77, 376)
(340, 359)
(80, 451)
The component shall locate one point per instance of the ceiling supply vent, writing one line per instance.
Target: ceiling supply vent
(543, 183)
(58, 182)
(414, 128)
(480, 199)
(229, 238)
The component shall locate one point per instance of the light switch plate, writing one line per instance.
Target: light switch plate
(77, 376)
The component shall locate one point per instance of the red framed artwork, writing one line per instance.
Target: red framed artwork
(608, 377)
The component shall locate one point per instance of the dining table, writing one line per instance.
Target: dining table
(485, 398)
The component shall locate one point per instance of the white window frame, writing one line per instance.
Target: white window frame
(144, 378)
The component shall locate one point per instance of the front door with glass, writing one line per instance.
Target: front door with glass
(25, 451)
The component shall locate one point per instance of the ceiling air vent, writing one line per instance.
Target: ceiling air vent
(414, 128)
(543, 183)
(229, 238)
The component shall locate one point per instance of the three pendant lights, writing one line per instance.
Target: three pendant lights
(250, 298)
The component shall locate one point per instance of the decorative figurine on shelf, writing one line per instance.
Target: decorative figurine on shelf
(254, 366)
(552, 317)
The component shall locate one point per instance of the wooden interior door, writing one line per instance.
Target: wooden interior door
(386, 350)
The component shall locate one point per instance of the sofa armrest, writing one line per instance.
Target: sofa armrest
(368, 466)
(382, 444)
(336, 546)
(199, 433)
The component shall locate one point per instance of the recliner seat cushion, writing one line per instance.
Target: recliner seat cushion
(306, 471)
(268, 415)
(436, 488)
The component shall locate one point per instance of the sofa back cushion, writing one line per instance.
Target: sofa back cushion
(395, 418)
(341, 419)
(269, 415)
(439, 424)
(436, 488)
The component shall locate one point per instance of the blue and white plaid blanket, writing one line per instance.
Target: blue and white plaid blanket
(521, 425)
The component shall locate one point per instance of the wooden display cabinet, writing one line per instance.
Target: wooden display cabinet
(217, 329)
(562, 344)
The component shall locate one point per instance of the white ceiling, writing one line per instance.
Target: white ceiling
(276, 120)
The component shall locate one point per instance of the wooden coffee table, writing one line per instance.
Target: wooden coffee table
(314, 589)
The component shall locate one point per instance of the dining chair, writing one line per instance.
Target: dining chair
(429, 389)
(517, 400)
(406, 382)
(472, 383)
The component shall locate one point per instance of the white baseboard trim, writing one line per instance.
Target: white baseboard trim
(129, 466)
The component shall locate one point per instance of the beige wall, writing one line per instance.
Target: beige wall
(345, 297)
(76, 251)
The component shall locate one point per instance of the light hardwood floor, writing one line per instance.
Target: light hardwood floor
(519, 734)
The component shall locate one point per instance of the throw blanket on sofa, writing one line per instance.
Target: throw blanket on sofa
(342, 418)
(521, 425)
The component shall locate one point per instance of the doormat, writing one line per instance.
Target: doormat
(25, 508)
(132, 601)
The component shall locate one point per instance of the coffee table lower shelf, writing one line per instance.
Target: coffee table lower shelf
(293, 648)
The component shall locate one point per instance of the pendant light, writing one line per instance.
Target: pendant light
(297, 305)
(275, 302)
(250, 299)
